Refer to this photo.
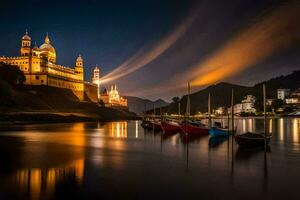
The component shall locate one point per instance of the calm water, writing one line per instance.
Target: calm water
(120, 160)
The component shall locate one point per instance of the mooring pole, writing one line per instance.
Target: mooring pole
(232, 114)
(209, 111)
(265, 114)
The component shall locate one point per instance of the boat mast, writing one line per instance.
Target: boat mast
(265, 115)
(188, 105)
(178, 110)
(154, 110)
(232, 114)
(209, 111)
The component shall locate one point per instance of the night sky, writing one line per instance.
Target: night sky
(152, 48)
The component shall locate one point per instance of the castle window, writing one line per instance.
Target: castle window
(37, 77)
(42, 81)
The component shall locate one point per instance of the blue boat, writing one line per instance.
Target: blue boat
(219, 132)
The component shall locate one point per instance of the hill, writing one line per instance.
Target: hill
(221, 93)
(139, 105)
(46, 102)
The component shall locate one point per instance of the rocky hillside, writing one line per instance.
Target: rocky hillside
(139, 105)
(221, 93)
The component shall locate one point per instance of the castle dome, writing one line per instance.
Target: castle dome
(48, 51)
(47, 46)
(26, 36)
(79, 58)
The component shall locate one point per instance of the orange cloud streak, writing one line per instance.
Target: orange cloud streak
(254, 44)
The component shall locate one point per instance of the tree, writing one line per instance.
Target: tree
(5, 92)
(11, 74)
(277, 103)
(175, 100)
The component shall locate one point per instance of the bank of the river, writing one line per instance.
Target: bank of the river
(61, 117)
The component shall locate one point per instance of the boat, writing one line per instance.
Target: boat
(255, 139)
(155, 125)
(171, 127)
(219, 132)
(194, 128)
(252, 139)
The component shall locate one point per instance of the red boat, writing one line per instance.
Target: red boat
(193, 128)
(171, 127)
(155, 125)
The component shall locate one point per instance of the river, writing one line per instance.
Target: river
(120, 160)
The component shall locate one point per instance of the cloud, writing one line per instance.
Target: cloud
(144, 57)
(273, 33)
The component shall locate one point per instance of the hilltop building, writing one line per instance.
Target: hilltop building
(246, 106)
(294, 97)
(40, 67)
(283, 93)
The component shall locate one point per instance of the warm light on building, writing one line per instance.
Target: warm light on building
(113, 98)
(40, 68)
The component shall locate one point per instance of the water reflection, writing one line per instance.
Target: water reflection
(93, 160)
(281, 129)
(296, 133)
(118, 129)
(40, 183)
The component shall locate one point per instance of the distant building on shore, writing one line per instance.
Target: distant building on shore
(246, 106)
(113, 98)
(294, 97)
(283, 93)
(219, 111)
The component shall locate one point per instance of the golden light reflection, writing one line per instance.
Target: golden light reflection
(35, 180)
(78, 136)
(39, 182)
(244, 126)
(281, 129)
(118, 129)
(250, 125)
(296, 130)
(136, 129)
(270, 125)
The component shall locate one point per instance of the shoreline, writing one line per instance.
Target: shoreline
(27, 118)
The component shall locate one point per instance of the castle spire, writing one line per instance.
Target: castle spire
(47, 40)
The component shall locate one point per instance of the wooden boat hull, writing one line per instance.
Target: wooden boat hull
(191, 129)
(217, 132)
(171, 127)
(246, 140)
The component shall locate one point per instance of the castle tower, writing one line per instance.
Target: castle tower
(26, 44)
(79, 65)
(96, 80)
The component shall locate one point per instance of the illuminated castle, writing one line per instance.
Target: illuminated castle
(40, 68)
(111, 98)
